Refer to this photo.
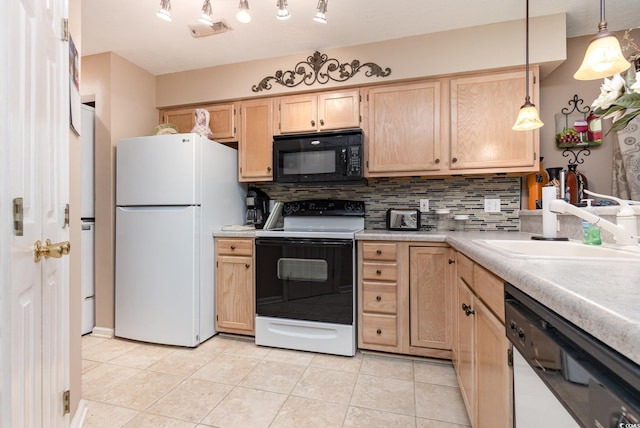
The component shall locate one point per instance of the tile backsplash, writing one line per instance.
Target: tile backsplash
(463, 195)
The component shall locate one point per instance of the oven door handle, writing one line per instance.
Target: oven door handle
(306, 241)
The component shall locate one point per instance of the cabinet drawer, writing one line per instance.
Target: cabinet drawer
(380, 271)
(379, 297)
(238, 247)
(380, 329)
(379, 251)
(490, 289)
(465, 268)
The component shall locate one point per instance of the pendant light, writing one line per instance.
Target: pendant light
(528, 118)
(603, 57)
(165, 10)
(283, 13)
(243, 13)
(205, 18)
(322, 11)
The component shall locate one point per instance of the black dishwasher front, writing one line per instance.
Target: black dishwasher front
(597, 385)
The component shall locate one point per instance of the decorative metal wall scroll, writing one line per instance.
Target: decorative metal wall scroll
(319, 68)
(577, 128)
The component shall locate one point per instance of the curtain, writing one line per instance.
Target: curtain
(626, 162)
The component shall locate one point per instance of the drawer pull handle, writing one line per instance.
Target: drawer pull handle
(233, 247)
(378, 252)
(379, 331)
(378, 298)
(378, 272)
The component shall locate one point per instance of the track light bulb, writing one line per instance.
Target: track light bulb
(322, 11)
(283, 13)
(243, 14)
(165, 10)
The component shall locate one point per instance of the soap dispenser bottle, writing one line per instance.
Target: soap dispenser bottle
(590, 232)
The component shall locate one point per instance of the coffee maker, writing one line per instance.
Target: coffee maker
(257, 207)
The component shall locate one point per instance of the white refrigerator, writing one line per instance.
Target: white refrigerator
(172, 193)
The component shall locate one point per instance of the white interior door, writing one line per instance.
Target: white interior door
(34, 328)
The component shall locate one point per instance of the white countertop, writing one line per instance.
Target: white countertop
(602, 297)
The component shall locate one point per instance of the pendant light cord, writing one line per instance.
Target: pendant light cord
(528, 98)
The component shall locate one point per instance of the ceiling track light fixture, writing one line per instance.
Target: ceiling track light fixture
(243, 12)
(603, 57)
(205, 18)
(165, 10)
(528, 118)
(283, 13)
(322, 11)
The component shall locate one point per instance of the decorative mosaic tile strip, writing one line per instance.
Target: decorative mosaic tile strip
(463, 195)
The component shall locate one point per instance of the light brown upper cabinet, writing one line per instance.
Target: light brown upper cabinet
(222, 120)
(319, 112)
(255, 146)
(483, 109)
(404, 124)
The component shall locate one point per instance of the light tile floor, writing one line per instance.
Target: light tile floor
(229, 382)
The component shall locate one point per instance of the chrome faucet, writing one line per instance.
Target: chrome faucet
(625, 230)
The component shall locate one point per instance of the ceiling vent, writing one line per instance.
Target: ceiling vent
(203, 30)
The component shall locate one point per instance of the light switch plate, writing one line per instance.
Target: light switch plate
(492, 205)
(424, 205)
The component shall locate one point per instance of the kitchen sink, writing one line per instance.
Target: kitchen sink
(558, 249)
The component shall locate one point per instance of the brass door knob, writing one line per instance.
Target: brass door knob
(50, 250)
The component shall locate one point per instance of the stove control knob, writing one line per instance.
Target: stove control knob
(521, 334)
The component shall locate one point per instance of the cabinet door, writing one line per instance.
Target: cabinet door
(465, 347)
(338, 110)
(235, 301)
(404, 124)
(483, 110)
(298, 114)
(222, 121)
(256, 140)
(183, 118)
(494, 375)
(430, 297)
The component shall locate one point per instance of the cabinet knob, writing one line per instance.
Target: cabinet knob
(313, 123)
(451, 261)
(437, 160)
(378, 272)
(268, 169)
(247, 265)
(467, 309)
(233, 247)
(321, 122)
(378, 298)
(378, 252)
(454, 160)
(379, 331)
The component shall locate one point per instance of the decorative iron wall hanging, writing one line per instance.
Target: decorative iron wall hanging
(319, 68)
(578, 129)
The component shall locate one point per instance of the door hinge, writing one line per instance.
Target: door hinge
(66, 402)
(510, 357)
(18, 225)
(65, 30)
(66, 216)
(534, 79)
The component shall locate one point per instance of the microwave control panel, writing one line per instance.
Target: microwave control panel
(354, 161)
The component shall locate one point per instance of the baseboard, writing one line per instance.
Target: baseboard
(80, 415)
(102, 332)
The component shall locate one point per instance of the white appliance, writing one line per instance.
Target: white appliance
(172, 193)
(87, 214)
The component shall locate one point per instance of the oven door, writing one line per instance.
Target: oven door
(310, 279)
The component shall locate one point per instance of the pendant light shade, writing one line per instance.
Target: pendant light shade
(283, 13)
(528, 118)
(603, 57)
(243, 12)
(322, 11)
(205, 18)
(165, 10)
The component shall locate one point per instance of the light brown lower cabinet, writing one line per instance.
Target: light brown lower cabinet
(482, 353)
(235, 289)
(404, 298)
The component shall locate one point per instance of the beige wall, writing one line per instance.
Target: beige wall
(477, 48)
(125, 107)
(555, 91)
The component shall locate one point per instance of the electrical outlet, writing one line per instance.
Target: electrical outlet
(424, 205)
(492, 205)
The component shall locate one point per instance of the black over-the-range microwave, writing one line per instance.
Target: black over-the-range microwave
(319, 157)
